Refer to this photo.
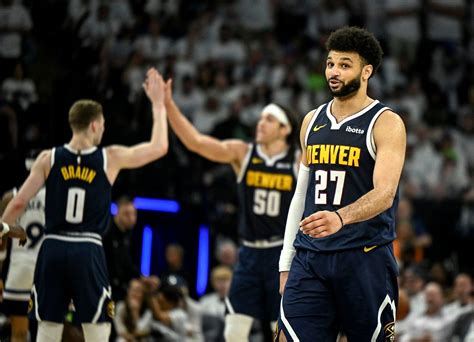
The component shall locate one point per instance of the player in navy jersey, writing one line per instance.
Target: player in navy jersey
(78, 178)
(266, 178)
(341, 222)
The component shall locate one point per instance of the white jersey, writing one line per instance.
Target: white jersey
(21, 268)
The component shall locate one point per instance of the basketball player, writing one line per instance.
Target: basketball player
(266, 178)
(78, 178)
(343, 273)
(22, 260)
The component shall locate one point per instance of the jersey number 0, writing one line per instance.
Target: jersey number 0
(75, 205)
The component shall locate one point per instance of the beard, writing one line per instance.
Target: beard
(347, 90)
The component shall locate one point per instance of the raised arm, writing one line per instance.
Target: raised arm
(390, 141)
(122, 157)
(34, 182)
(230, 151)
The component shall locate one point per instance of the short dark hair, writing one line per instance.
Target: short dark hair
(124, 200)
(83, 112)
(356, 39)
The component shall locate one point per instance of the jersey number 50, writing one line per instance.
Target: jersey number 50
(266, 202)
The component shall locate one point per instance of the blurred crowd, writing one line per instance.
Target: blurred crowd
(227, 60)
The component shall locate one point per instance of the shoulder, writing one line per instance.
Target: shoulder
(44, 159)
(388, 119)
(389, 127)
(239, 147)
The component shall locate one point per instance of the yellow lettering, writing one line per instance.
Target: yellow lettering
(70, 169)
(269, 180)
(250, 178)
(314, 155)
(324, 154)
(333, 154)
(343, 155)
(64, 172)
(90, 176)
(287, 183)
(334, 149)
(78, 172)
(354, 155)
(84, 173)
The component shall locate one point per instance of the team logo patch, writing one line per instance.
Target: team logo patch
(256, 160)
(368, 249)
(389, 332)
(354, 130)
(317, 128)
(30, 305)
(111, 309)
(283, 165)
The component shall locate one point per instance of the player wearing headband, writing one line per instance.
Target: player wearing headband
(266, 178)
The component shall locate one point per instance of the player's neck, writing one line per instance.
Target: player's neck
(81, 142)
(274, 148)
(343, 108)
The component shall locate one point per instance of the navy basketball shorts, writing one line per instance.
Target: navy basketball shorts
(353, 291)
(15, 307)
(254, 290)
(74, 270)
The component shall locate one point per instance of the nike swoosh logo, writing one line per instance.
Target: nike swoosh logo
(317, 128)
(368, 249)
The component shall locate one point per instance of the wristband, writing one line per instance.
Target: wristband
(340, 218)
(5, 230)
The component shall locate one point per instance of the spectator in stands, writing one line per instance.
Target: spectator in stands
(133, 317)
(175, 274)
(117, 242)
(214, 302)
(226, 253)
(15, 23)
(433, 325)
(462, 293)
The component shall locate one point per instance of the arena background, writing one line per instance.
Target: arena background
(228, 59)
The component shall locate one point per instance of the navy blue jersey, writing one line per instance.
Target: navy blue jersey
(341, 158)
(265, 186)
(78, 193)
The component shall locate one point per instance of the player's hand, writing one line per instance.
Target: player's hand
(283, 279)
(17, 232)
(154, 87)
(151, 283)
(321, 224)
(169, 92)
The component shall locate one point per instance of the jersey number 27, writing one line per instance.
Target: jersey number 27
(320, 195)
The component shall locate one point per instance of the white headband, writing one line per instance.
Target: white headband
(278, 113)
